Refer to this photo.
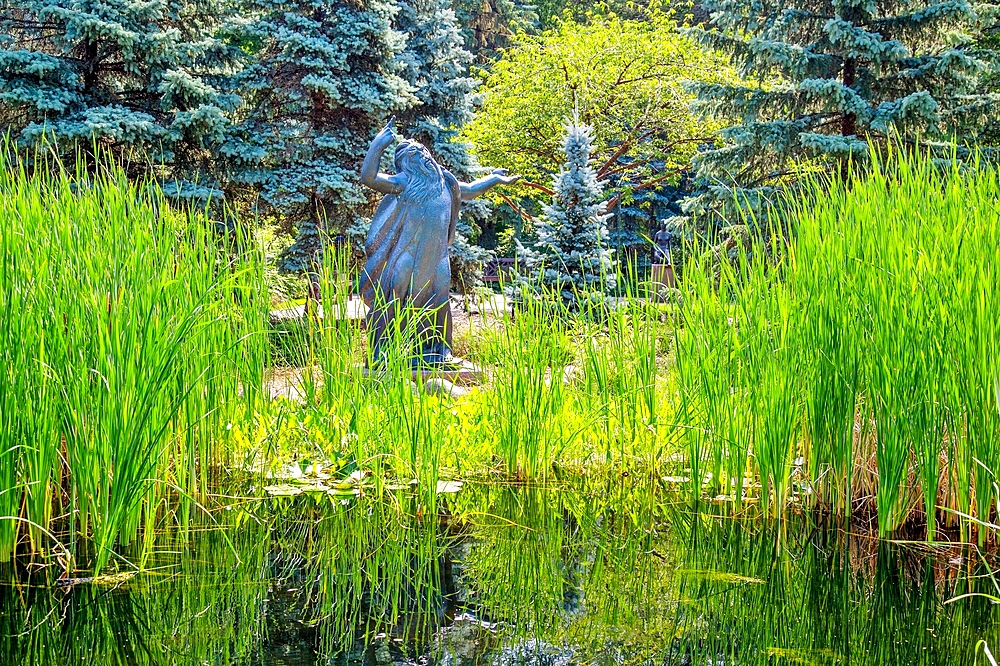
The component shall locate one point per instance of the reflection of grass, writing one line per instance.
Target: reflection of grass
(609, 572)
(573, 569)
(205, 598)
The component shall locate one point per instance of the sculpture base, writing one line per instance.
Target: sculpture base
(663, 274)
(460, 373)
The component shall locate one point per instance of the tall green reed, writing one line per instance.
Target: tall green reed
(132, 336)
(530, 352)
(621, 357)
(865, 353)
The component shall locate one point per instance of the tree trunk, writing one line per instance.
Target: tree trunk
(849, 123)
(89, 67)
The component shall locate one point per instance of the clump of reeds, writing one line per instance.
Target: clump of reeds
(558, 387)
(130, 334)
(855, 366)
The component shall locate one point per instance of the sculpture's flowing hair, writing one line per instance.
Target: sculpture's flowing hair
(424, 180)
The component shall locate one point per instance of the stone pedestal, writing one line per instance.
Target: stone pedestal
(461, 374)
(467, 375)
(663, 274)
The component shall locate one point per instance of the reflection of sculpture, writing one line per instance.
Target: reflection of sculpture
(407, 246)
(663, 239)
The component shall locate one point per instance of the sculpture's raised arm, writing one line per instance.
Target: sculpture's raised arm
(370, 175)
(478, 188)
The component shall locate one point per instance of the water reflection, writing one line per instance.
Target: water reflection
(507, 576)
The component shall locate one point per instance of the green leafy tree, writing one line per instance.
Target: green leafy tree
(832, 79)
(143, 81)
(570, 256)
(551, 12)
(625, 78)
(325, 79)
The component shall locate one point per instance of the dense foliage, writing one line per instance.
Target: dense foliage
(839, 360)
(274, 107)
(827, 79)
(622, 76)
(128, 339)
(270, 104)
(625, 78)
(325, 77)
(143, 81)
(860, 359)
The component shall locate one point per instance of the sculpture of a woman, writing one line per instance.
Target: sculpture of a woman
(407, 276)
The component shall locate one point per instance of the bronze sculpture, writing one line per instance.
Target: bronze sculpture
(663, 240)
(663, 262)
(406, 280)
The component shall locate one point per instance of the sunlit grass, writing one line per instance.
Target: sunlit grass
(129, 336)
(850, 366)
(857, 364)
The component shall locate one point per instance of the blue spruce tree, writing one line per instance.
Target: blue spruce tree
(326, 79)
(570, 256)
(838, 78)
(141, 80)
(436, 64)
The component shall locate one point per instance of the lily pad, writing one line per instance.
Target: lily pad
(338, 491)
(283, 490)
(449, 486)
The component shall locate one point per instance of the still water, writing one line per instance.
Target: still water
(506, 576)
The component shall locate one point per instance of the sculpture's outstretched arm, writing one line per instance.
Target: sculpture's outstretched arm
(370, 175)
(478, 188)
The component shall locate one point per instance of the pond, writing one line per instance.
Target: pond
(608, 573)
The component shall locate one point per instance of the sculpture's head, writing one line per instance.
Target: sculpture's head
(413, 158)
(424, 175)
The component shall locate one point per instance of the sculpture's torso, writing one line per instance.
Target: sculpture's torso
(419, 262)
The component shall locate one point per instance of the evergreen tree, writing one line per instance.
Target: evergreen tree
(571, 255)
(834, 78)
(326, 79)
(489, 25)
(436, 65)
(141, 80)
